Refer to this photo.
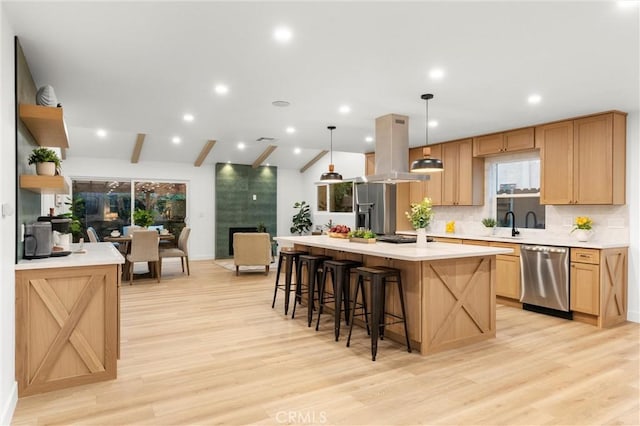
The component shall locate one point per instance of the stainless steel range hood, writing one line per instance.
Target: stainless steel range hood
(392, 152)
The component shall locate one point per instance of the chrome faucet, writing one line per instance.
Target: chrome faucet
(514, 231)
(535, 219)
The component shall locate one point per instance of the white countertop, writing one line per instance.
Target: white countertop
(96, 254)
(433, 251)
(539, 239)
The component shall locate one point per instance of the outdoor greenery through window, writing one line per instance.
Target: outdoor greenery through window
(339, 198)
(106, 205)
(518, 190)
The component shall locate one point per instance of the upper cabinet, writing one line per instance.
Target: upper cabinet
(46, 124)
(370, 163)
(431, 188)
(498, 143)
(463, 175)
(582, 161)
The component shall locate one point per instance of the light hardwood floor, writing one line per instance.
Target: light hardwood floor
(208, 349)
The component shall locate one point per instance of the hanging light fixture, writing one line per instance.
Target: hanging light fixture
(331, 176)
(427, 164)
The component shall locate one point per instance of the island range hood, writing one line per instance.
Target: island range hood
(392, 152)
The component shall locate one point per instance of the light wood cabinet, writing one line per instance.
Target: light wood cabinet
(431, 188)
(463, 175)
(582, 161)
(498, 143)
(370, 163)
(46, 124)
(508, 272)
(598, 286)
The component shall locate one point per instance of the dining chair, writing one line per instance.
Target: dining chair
(92, 234)
(128, 230)
(182, 251)
(144, 248)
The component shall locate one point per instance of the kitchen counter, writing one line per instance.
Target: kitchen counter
(95, 254)
(449, 289)
(541, 239)
(67, 319)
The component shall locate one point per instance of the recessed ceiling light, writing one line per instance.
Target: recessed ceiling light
(534, 99)
(221, 89)
(101, 133)
(433, 123)
(268, 164)
(282, 34)
(290, 130)
(188, 117)
(228, 161)
(297, 151)
(436, 73)
(368, 139)
(344, 109)
(241, 145)
(281, 103)
(176, 140)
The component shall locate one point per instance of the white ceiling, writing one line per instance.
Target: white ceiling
(137, 67)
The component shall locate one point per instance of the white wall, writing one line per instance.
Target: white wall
(291, 188)
(8, 386)
(633, 203)
(200, 191)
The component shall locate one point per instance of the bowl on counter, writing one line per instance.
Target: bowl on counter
(164, 231)
(115, 233)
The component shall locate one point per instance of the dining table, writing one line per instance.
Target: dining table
(125, 248)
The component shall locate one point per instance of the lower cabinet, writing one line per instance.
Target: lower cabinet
(585, 288)
(508, 276)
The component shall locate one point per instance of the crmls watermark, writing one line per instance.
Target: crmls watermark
(301, 417)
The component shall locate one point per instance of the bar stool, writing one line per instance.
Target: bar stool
(340, 271)
(379, 277)
(289, 257)
(314, 265)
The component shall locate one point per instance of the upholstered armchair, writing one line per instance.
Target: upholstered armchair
(252, 248)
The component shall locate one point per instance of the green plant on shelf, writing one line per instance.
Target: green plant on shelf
(44, 155)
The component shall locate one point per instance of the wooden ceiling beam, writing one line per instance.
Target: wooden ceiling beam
(313, 161)
(138, 148)
(265, 154)
(205, 151)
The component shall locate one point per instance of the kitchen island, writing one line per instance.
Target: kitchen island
(67, 319)
(449, 289)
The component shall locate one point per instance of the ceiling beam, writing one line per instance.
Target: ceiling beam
(138, 148)
(205, 151)
(313, 161)
(266, 153)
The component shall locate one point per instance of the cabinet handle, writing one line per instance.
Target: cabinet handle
(584, 255)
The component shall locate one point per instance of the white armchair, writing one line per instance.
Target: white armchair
(252, 248)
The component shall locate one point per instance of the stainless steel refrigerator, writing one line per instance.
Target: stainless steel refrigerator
(376, 207)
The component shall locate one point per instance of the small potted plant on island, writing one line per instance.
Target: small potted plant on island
(46, 160)
(489, 226)
(362, 236)
(420, 216)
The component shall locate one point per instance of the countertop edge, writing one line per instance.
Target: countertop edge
(97, 254)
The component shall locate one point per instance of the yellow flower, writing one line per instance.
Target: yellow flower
(582, 222)
(451, 227)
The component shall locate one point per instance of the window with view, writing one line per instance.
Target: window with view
(518, 190)
(338, 198)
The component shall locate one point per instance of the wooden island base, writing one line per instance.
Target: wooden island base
(449, 302)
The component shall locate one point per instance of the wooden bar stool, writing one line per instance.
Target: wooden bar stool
(290, 258)
(340, 271)
(314, 264)
(379, 277)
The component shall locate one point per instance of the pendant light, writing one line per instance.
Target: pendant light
(331, 176)
(427, 164)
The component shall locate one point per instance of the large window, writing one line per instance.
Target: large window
(518, 190)
(337, 199)
(106, 205)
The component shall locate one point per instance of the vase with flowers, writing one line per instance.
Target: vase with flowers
(582, 228)
(420, 216)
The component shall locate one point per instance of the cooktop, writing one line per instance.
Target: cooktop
(399, 239)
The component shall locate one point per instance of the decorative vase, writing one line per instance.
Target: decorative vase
(487, 231)
(582, 234)
(46, 169)
(421, 240)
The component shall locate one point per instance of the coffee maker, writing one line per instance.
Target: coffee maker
(38, 240)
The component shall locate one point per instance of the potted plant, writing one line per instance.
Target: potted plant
(142, 218)
(489, 226)
(302, 219)
(582, 228)
(46, 160)
(420, 216)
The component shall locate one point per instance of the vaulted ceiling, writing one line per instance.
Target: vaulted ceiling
(133, 68)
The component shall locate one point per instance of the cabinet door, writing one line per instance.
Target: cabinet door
(519, 140)
(470, 176)
(450, 174)
(489, 144)
(370, 163)
(556, 162)
(431, 188)
(508, 276)
(593, 162)
(585, 288)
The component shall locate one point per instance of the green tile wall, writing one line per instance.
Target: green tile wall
(235, 186)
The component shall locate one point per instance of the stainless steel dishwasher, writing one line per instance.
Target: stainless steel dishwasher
(545, 279)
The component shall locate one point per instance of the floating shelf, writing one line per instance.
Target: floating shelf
(44, 184)
(46, 124)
